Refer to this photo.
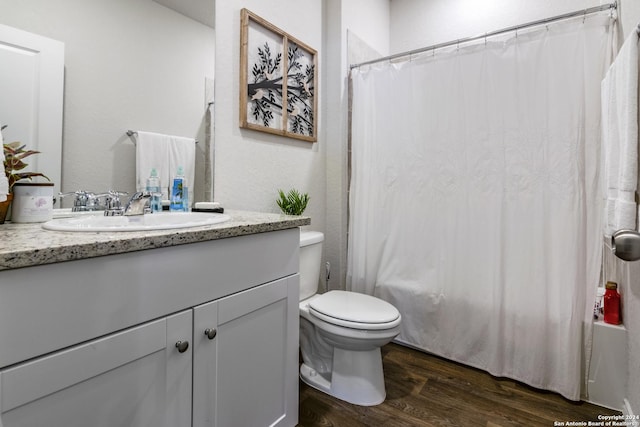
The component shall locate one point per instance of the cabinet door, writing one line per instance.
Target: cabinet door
(246, 376)
(136, 377)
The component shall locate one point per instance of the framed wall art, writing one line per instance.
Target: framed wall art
(278, 79)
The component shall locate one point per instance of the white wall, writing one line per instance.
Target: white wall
(251, 166)
(369, 20)
(628, 274)
(335, 247)
(418, 23)
(630, 291)
(129, 64)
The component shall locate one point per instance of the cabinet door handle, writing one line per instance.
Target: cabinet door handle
(182, 346)
(210, 333)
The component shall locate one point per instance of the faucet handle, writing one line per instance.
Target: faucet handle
(69, 193)
(113, 206)
(83, 200)
(112, 197)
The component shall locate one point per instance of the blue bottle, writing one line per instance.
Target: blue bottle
(179, 195)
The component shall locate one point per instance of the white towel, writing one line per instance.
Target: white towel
(620, 138)
(164, 153)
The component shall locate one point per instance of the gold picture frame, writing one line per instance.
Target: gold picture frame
(270, 100)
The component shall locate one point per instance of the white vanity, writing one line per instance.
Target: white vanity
(168, 328)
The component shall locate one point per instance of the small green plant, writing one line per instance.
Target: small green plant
(14, 154)
(12, 157)
(292, 203)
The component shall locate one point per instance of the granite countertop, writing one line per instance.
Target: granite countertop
(25, 245)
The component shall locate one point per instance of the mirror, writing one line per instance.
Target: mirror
(127, 65)
(31, 83)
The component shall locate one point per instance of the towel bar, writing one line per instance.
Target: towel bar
(133, 133)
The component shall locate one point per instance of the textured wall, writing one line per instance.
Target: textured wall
(369, 20)
(627, 275)
(416, 23)
(630, 286)
(631, 317)
(251, 166)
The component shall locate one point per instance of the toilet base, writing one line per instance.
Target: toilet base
(357, 377)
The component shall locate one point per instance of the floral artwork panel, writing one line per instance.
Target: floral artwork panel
(265, 85)
(278, 81)
(300, 90)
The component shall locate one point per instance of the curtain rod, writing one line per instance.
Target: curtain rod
(583, 12)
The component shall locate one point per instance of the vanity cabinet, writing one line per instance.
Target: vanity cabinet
(102, 341)
(244, 348)
(132, 378)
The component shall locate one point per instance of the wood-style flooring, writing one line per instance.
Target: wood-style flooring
(425, 390)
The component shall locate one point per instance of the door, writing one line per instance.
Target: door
(31, 84)
(245, 375)
(137, 377)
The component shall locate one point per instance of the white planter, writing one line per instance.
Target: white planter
(32, 202)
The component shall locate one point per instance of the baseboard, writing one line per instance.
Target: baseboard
(627, 411)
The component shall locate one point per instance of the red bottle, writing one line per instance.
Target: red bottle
(612, 304)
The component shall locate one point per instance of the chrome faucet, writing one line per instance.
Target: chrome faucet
(139, 204)
(84, 201)
(113, 206)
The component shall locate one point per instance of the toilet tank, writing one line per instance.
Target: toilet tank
(310, 260)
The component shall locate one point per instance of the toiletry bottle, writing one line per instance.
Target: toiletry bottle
(612, 304)
(153, 187)
(185, 198)
(178, 188)
(598, 310)
(185, 194)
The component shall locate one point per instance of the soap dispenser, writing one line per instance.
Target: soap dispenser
(179, 192)
(153, 187)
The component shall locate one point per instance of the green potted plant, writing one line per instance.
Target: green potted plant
(13, 155)
(292, 203)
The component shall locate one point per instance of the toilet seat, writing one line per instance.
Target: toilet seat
(354, 310)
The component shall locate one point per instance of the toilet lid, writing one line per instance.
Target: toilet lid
(354, 310)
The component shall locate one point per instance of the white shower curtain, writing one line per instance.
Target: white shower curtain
(475, 203)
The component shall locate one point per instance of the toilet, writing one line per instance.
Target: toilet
(341, 334)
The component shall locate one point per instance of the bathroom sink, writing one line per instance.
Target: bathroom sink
(68, 213)
(155, 221)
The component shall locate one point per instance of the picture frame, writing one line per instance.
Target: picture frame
(272, 101)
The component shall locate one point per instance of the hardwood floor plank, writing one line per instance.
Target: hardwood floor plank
(472, 407)
(427, 391)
